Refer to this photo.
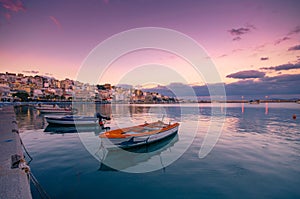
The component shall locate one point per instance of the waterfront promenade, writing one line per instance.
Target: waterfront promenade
(14, 182)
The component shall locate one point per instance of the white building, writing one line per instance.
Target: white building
(5, 93)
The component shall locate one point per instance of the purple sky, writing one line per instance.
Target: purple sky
(54, 37)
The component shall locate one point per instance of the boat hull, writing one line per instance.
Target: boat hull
(134, 141)
(71, 121)
(54, 111)
(49, 109)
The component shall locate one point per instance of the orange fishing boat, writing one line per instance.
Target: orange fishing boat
(138, 135)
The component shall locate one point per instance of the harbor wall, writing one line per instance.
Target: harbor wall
(14, 182)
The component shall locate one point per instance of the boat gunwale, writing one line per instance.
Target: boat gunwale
(71, 118)
(122, 133)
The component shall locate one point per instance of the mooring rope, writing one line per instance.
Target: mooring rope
(16, 131)
(42, 192)
(26, 151)
(31, 177)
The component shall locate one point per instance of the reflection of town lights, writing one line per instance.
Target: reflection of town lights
(267, 106)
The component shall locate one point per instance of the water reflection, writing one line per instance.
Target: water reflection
(89, 109)
(29, 117)
(53, 129)
(138, 109)
(243, 107)
(115, 160)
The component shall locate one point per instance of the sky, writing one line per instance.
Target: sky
(248, 42)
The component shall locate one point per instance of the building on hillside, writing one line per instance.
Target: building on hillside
(5, 93)
(66, 84)
(38, 94)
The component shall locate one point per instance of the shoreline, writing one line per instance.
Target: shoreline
(182, 102)
(13, 177)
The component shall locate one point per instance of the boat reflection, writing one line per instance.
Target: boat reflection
(54, 129)
(116, 160)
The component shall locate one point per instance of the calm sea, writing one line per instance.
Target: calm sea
(257, 154)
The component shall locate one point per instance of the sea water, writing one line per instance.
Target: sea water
(257, 154)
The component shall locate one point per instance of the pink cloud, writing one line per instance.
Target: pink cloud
(7, 16)
(55, 21)
(13, 5)
(106, 1)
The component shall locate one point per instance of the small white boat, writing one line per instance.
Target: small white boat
(40, 105)
(54, 109)
(138, 135)
(71, 120)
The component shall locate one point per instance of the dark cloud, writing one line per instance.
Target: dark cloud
(283, 67)
(238, 31)
(237, 50)
(264, 58)
(236, 39)
(260, 47)
(281, 78)
(224, 55)
(248, 25)
(296, 30)
(282, 84)
(247, 74)
(277, 85)
(31, 71)
(297, 47)
(281, 40)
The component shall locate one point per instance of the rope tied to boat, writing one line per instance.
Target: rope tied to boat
(39, 188)
(23, 166)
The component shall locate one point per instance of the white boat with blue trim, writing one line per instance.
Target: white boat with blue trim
(71, 120)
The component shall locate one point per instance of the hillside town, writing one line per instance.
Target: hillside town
(19, 87)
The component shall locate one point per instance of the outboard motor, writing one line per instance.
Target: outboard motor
(101, 120)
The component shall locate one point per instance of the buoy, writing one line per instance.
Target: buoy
(294, 116)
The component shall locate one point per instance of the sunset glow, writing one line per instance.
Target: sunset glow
(54, 38)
